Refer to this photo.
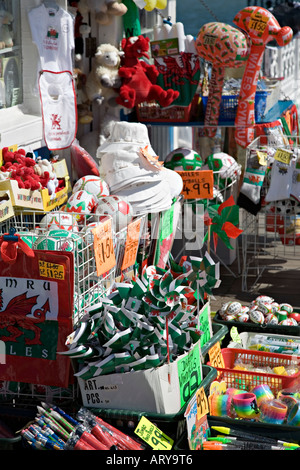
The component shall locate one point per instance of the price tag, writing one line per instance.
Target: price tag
(132, 244)
(197, 184)
(258, 22)
(283, 156)
(262, 158)
(202, 403)
(215, 356)
(152, 435)
(51, 270)
(104, 247)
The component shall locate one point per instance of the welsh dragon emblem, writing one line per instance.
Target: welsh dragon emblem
(15, 318)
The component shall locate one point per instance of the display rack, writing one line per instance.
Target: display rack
(271, 237)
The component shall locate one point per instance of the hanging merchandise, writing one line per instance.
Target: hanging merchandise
(36, 312)
(223, 46)
(132, 170)
(59, 109)
(52, 31)
(150, 5)
(131, 19)
(262, 27)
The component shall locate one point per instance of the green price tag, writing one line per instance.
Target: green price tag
(204, 320)
(189, 370)
(156, 439)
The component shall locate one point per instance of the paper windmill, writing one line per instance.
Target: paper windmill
(222, 220)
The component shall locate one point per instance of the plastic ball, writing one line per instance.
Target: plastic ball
(265, 308)
(183, 159)
(256, 316)
(82, 203)
(264, 299)
(295, 316)
(118, 208)
(233, 308)
(59, 220)
(271, 319)
(243, 317)
(93, 185)
(286, 308)
(288, 322)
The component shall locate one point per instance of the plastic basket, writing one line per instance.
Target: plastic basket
(174, 425)
(247, 380)
(229, 105)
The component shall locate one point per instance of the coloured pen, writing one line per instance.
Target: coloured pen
(252, 437)
(246, 445)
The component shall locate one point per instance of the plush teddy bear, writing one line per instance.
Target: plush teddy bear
(6, 39)
(139, 77)
(105, 10)
(103, 81)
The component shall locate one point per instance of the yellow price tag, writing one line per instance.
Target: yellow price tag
(51, 270)
(156, 439)
(258, 22)
(202, 403)
(262, 158)
(283, 156)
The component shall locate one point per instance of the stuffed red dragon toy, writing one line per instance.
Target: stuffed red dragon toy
(139, 77)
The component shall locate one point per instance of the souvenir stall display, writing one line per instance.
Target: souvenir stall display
(107, 338)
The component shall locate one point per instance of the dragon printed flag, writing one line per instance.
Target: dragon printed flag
(36, 305)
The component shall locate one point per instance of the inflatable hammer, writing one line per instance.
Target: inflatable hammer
(262, 27)
(223, 46)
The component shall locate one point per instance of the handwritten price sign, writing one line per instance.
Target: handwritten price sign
(152, 435)
(215, 356)
(283, 156)
(104, 247)
(197, 184)
(132, 244)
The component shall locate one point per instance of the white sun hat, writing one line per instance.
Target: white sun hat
(129, 165)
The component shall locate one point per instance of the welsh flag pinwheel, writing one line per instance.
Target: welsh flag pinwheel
(222, 221)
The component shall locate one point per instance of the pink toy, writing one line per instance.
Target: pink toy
(223, 46)
(262, 27)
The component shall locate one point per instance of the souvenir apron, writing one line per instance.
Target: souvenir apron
(59, 108)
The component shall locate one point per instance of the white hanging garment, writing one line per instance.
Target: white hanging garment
(59, 109)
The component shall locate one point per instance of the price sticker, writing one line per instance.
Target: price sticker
(262, 158)
(104, 247)
(131, 244)
(197, 184)
(156, 439)
(283, 156)
(215, 356)
(258, 22)
(51, 270)
(202, 403)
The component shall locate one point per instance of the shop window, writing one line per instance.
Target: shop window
(11, 89)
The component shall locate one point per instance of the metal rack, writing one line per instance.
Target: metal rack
(272, 236)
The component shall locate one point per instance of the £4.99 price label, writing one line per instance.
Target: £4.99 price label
(197, 184)
(154, 437)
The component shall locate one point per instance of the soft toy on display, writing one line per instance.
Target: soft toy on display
(179, 71)
(6, 19)
(105, 10)
(103, 81)
(223, 46)
(149, 5)
(262, 27)
(139, 78)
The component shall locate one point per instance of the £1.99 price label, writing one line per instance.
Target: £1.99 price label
(154, 437)
(197, 184)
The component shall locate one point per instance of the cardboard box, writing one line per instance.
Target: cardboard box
(6, 207)
(164, 389)
(38, 199)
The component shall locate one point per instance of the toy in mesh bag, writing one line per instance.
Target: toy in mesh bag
(177, 61)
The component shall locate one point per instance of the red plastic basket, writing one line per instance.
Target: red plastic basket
(247, 380)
